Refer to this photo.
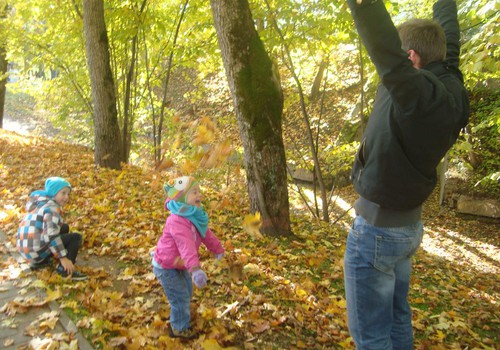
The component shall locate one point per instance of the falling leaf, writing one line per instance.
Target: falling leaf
(236, 272)
(251, 225)
(165, 164)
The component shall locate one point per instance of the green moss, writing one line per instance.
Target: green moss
(264, 101)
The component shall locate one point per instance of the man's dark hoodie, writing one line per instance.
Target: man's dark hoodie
(416, 118)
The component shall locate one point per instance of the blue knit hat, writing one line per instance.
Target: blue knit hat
(54, 184)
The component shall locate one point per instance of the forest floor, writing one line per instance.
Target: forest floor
(268, 292)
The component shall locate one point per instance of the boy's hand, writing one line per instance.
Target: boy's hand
(199, 278)
(67, 265)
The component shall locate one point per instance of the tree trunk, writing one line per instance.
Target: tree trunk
(258, 101)
(314, 147)
(362, 78)
(3, 71)
(3, 82)
(158, 134)
(128, 117)
(108, 144)
(317, 81)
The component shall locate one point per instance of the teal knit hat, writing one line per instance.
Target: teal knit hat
(54, 184)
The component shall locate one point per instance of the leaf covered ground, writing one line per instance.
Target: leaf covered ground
(267, 293)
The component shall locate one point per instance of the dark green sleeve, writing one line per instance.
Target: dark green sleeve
(379, 35)
(381, 40)
(445, 13)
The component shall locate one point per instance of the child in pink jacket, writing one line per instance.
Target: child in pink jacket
(176, 262)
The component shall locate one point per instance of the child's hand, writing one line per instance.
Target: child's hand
(199, 278)
(219, 256)
(67, 265)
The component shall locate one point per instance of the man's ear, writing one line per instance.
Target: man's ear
(414, 57)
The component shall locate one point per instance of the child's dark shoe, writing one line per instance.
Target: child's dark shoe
(75, 276)
(186, 334)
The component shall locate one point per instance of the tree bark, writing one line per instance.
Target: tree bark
(258, 101)
(317, 81)
(108, 151)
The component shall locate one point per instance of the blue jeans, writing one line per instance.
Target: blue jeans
(377, 268)
(178, 287)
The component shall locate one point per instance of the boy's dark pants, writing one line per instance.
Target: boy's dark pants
(72, 243)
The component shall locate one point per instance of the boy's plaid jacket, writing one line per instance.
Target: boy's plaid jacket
(39, 235)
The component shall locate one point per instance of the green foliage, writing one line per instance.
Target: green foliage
(479, 149)
(480, 48)
(313, 30)
(339, 159)
(46, 39)
(485, 127)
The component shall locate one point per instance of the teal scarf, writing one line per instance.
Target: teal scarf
(198, 216)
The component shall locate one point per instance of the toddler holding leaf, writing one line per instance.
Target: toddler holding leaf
(176, 261)
(42, 234)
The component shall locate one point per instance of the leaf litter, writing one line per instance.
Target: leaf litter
(267, 292)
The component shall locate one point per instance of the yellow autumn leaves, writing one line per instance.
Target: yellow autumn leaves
(201, 145)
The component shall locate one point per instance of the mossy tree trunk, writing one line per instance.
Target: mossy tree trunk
(108, 151)
(258, 101)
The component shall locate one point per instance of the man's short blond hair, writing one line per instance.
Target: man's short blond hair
(425, 37)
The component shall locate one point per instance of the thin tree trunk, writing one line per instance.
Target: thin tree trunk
(3, 71)
(128, 119)
(108, 150)
(317, 167)
(165, 86)
(3, 82)
(362, 78)
(258, 101)
(127, 125)
(442, 168)
(317, 81)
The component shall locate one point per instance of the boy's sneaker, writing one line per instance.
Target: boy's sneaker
(75, 276)
(186, 334)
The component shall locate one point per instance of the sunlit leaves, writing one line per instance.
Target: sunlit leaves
(480, 39)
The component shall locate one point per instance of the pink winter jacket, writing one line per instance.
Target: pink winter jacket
(178, 246)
